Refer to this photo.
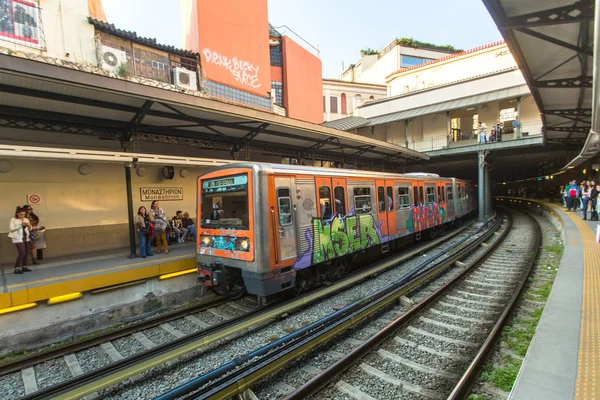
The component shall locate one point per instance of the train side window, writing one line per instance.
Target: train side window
(421, 198)
(340, 201)
(416, 195)
(430, 195)
(443, 196)
(362, 201)
(449, 194)
(284, 206)
(325, 202)
(390, 198)
(439, 193)
(467, 190)
(381, 198)
(403, 197)
(460, 195)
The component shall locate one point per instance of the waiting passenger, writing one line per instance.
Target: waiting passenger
(573, 199)
(585, 199)
(18, 231)
(178, 228)
(188, 223)
(595, 200)
(34, 232)
(144, 228)
(160, 227)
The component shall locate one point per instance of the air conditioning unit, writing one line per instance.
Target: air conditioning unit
(185, 78)
(112, 58)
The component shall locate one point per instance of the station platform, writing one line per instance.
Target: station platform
(563, 360)
(66, 278)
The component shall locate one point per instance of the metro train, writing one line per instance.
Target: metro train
(271, 228)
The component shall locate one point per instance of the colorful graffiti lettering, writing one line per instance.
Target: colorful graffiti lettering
(425, 216)
(338, 236)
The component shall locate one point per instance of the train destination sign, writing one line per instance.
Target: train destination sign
(161, 193)
(228, 184)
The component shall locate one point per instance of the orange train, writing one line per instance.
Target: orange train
(269, 228)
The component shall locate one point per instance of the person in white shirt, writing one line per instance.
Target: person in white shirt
(18, 231)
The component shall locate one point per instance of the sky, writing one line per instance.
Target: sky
(340, 29)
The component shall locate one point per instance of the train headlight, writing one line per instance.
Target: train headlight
(245, 244)
(206, 241)
(242, 244)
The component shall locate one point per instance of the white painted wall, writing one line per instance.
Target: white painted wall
(66, 30)
(335, 88)
(495, 58)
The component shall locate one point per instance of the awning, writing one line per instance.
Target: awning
(553, 44)
(346, 124)
(451, 105)
(43, 97)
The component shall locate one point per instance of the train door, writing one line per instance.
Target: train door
(286, 224)
(418, 201)
(430, 200)
(391, 207)
(403, 205)
(450, 208)
(340, 203)
(324, 198)
(382, 206)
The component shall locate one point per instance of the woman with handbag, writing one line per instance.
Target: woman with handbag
(34, 232)
(143, 226)
(18, 231)
(160, 226)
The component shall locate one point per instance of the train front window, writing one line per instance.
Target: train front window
(225, 203)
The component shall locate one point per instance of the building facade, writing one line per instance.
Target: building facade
(376, 66)
(246, 60)
(342, 99)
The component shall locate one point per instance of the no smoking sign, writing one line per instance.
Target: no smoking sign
(34, 199)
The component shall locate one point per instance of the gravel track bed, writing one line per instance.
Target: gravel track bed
(373, 386)
(217, 356)
(487, 308)
(407, 374)
(247, 303)
(185, 326)
(487, 291)
(438, 345)
(158, 335)
(92, 358)
(457, 322)
(472, 297)
(128, 346)
(230, 311)
(51, 372)
(463, 313)
(471, 336)
(11, 386)
(209, 318)
(422, 357)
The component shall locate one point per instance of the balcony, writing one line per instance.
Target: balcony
(469, 138)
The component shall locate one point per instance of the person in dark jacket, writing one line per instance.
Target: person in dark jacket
(594, 200)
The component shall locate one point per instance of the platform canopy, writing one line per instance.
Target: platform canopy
(553, 44)
(49, 98)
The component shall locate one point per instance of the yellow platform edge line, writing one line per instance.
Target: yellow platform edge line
(38, 293)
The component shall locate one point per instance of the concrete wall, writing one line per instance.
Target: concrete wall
(470, 64)
(350, 89)
(83, 213)
(66, 30)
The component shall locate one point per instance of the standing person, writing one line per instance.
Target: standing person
(585, 199)
(144, 228)
(595, 199)
(18, 231)
(160, 227)
(573, 192)
(188, 223)
(498, 126)
(33, 232)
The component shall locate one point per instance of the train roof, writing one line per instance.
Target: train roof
(320, 171)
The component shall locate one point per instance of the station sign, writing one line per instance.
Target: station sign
(227, 184)
(34, 199)
(161, 193)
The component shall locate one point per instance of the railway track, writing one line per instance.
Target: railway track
(236, 376)
(67, 377)
(433, 350)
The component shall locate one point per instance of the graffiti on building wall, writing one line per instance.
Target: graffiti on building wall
(337, 237)
(243, 71)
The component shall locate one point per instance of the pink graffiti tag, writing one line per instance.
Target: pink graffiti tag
(242, 71)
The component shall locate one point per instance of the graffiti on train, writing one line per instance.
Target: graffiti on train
(425, 216)
(338, 236)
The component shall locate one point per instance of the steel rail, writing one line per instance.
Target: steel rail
(462, 388)
(116, 372)
(227, 383)
(82, 344)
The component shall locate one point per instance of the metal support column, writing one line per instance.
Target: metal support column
(488, 193)
(518, 127)
(406, 132)
(481, 185)
(448, 129)
(130, 214)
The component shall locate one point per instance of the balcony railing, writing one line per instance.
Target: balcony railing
(467, 138)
